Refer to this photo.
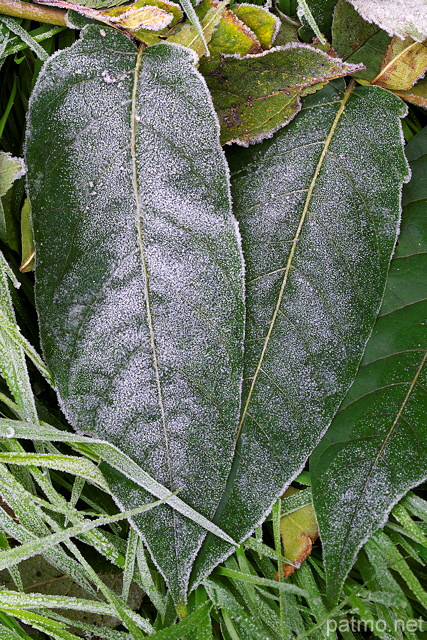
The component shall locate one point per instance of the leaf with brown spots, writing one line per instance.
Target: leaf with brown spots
(404, 63)
(298, 530)
(256, 95)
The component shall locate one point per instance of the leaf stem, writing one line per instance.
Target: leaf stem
(19, 9)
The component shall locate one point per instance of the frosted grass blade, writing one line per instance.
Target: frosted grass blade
(117, 459)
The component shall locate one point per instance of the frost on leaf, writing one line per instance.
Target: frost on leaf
(398, 17)
(318, 208)
(139, 271)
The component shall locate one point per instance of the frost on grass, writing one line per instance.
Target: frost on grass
(139, 270)
(318, 208)
(398, 17)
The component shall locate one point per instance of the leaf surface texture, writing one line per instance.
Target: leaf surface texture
(318, 208)
(375, 449)
(139, 271)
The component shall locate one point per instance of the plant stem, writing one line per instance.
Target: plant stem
(19, 9)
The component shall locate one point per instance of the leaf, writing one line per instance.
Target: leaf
(404, 63)
(417, 95)
(358, 41)
(298, 531)
(27, 240)
(138, 17)
(398, 17)
(10, 170)
(263, 23)
(143, 15)
(318, 207)
(231, 35)
(257, 95)
(139, 271)
(188, 35)
(375, 449)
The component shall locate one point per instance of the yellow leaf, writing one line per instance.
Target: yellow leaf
(404, 63)
(146, 17)
(299, 530)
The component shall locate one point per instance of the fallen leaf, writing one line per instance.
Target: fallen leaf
(404, 63)
(298, 530)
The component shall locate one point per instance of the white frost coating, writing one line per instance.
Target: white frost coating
(331, 181)
(398, 17)
(140, 297)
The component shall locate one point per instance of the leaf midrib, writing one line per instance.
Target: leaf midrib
(303, 217)
(378, 456)
(135, 184)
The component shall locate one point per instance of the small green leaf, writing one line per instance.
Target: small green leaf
(27, 240)
(257, 95)
(375, 449)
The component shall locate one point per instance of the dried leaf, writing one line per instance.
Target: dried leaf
(404, 63)
(417, 95)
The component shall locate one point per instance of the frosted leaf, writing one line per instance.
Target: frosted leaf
(139, 272)
(318, 207)
(375, 449)
(398, 17)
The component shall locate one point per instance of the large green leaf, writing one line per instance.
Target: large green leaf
(139, 274)
(318, 207)
(376, 447)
